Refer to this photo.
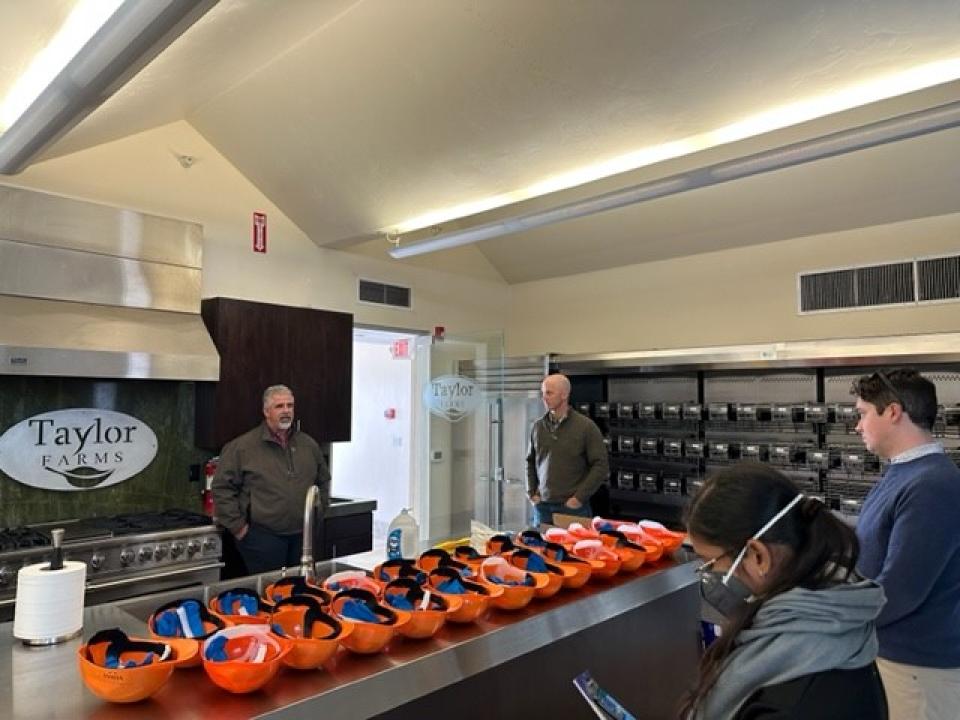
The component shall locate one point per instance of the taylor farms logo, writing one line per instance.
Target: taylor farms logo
(76, 449)
(452, 396)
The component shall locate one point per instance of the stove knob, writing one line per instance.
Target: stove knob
(96, 560)
(176, 550)
(145, 554)
(126, 557)
(209, 544)
(160, 552)
(193, 547)
(5, 576)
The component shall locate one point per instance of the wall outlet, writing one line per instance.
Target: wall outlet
(436, 456)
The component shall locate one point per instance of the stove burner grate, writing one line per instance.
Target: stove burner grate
(134, 523)
(20, 538)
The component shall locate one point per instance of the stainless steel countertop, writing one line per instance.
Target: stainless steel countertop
(45, 682)
(349, 506)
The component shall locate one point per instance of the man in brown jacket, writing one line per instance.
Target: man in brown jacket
(261, 485)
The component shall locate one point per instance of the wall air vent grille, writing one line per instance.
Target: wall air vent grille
(908, 282)
(369, 291)
(885, 284)
(831, 290)
(939, 278)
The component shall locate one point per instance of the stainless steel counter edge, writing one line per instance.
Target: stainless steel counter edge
(349, 506)
(416, 678)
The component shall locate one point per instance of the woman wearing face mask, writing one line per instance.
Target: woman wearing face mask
(799, 638)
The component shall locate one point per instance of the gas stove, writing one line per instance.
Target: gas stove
(126, 555)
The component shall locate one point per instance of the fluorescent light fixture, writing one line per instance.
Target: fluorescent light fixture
(102, 44)
(84, 20)
(894, 129)
(528, 221)
(902, 127)
(888, 86)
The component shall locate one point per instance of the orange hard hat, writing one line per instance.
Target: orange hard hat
(350, 579)
(122, 669)
(427, 609)
(605, 562)
(243, 658)
(185, 618)
(313, 634)
(293, 585)
(576, 571)
(438, 557)
(469, 555)
(632, 556)
(518, 586)
(474, 597)
(240, 605)
(374, 624)
(398, 568)
(536, 564)
(499, 544)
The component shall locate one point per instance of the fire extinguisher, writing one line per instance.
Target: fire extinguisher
(206, 495)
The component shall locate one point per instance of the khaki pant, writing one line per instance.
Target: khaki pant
(921, 693)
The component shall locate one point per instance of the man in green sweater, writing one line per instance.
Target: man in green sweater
(567, 460)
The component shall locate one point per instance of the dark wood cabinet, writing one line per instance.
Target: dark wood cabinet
(346, 535)
(311, 351)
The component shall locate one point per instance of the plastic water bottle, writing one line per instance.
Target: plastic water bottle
(402, 536)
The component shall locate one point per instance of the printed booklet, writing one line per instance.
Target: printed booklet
(603, 703)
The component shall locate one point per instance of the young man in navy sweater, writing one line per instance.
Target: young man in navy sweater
(909, 531)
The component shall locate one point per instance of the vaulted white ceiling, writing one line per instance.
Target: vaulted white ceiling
(355, 115)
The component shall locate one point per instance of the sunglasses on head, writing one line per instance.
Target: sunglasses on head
(889, 385)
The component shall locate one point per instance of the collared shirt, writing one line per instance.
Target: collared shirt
(553, 423)
(917, 452)
(282, 437)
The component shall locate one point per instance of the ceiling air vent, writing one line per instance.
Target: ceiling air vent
(938, 278)
(379, 293)
(861, 287)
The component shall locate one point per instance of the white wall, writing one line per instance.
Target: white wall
(746, 295)
(376, 461)
(141, 172)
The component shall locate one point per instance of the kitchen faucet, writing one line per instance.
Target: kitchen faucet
(311, 506)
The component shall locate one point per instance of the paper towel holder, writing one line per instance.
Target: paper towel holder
(47, 641)
(56, 563)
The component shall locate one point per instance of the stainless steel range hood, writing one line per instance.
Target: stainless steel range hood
(88, 290)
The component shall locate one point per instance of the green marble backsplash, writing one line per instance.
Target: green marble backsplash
(166, 406)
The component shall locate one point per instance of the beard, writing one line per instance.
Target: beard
(285, 423)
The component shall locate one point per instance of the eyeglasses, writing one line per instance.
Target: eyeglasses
(889, 385)
(709, 564)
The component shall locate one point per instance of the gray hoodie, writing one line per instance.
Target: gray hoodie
(797, 633)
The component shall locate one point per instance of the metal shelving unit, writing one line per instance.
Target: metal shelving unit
(671, 419)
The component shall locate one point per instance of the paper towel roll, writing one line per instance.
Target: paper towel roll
(49, 605)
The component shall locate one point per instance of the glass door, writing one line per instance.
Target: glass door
(458, 470)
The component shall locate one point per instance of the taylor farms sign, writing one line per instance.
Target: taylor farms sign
(452, 396)
(76, 449)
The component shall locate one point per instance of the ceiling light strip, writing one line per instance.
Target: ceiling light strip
(135, 34)
(895, 129)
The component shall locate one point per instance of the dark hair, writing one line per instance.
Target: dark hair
(915, 394)
(731, 507)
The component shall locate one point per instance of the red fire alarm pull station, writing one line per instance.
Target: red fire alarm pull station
(439, 331)
(260, 232)
(400, 349)
(390, 413)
